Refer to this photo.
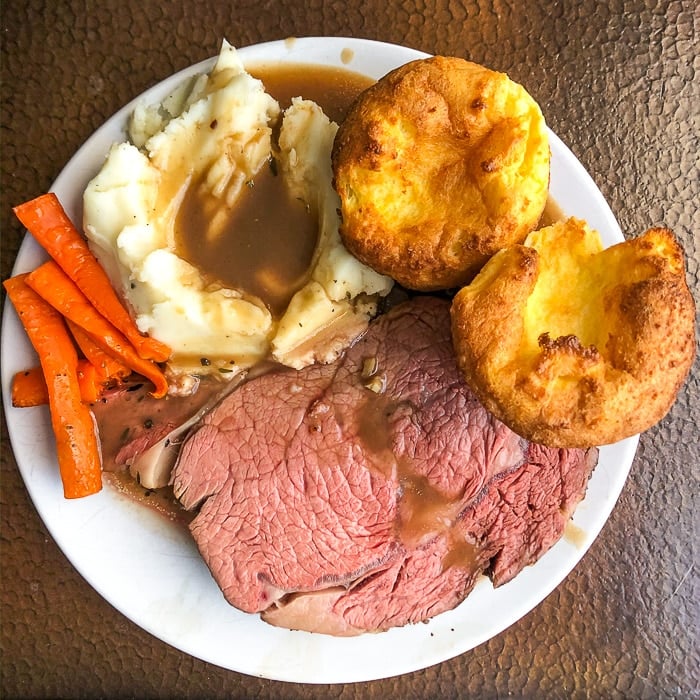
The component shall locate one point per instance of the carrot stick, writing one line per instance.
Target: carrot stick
(48, 222)
(29, 386)
(106, 365)
(77, 445)
(55, 287)
(88, 381)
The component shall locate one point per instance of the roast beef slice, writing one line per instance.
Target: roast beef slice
(341, 508)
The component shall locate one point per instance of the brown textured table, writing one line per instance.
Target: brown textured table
(618, 82)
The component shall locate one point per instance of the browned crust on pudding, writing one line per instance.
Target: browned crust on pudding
(574, 346)
(438, 165)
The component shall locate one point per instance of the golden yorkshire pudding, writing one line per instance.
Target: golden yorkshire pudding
(571, 345)
(438, 165)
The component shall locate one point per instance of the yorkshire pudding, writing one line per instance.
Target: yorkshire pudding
(571, 345)
(438, 165)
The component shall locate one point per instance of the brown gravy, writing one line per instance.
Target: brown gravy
(140, 413)
(265, 247)
(333, 88)
(266, 244)
(551, 214)
(424, 511)
(161, 501)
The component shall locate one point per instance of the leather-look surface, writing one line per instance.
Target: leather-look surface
(617, 81)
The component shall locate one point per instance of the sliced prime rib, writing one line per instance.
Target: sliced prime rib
(372, 492)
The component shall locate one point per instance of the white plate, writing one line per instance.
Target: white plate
(151, 571)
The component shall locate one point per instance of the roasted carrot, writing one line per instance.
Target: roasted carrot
(29, 386)
(77, 445)
(55, 287)
(106, 365)
(45, 218)
(88, 381)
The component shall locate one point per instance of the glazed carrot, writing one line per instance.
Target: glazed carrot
(29, 386)
(77, 445)
(88, 381)
(47, 221)
(106, 365)
(55, 287)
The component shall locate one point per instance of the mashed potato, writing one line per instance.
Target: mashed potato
(217, 130)
(339, 298)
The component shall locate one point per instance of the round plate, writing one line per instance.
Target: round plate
(151, 571)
